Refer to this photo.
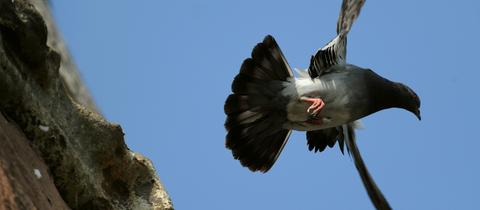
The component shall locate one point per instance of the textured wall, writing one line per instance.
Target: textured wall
(86, 155)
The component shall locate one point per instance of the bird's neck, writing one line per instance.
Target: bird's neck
(387, 94)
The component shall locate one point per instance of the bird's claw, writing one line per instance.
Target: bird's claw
(317, 105)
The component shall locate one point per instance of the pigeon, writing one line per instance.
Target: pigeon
(326, 101)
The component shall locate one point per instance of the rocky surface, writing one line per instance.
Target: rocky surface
(86, 155)
(68, 70)
(24, 179)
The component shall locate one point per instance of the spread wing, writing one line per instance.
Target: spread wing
(335, 51)
(318, 140)
(376, 196)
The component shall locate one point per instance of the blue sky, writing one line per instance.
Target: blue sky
(162, 69)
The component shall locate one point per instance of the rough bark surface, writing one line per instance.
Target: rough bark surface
(86, 156)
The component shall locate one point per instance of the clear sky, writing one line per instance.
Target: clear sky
(163, 69)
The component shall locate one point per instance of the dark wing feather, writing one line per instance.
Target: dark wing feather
(318, 140)
(331, 54)
(348, 13)
(376, 196)
(335, 51)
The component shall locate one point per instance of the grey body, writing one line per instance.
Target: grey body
(343, 90)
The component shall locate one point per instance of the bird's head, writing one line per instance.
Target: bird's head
(409, 100)
(389, 94)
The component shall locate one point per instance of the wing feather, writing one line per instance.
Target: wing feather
(335, 51)
(376, 196)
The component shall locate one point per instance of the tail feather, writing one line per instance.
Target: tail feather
(254, 114)
(268, 56)
(250, 68)
(246, 85)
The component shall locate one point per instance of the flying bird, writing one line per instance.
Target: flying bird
(268, 102)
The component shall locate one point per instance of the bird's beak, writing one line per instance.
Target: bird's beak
(417, 113)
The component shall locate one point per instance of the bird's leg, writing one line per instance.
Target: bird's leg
(317, 105)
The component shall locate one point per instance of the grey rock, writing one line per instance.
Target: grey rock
(86, 155)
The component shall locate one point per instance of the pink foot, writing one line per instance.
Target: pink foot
(317, 105)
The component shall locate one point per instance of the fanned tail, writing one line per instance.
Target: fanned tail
(256, 110)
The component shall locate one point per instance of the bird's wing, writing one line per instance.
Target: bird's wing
(376, 196)
(348, 13)
(318, 140)
(335, 51)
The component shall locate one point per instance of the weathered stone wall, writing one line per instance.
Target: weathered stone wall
(24, 179)
(86, 156)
